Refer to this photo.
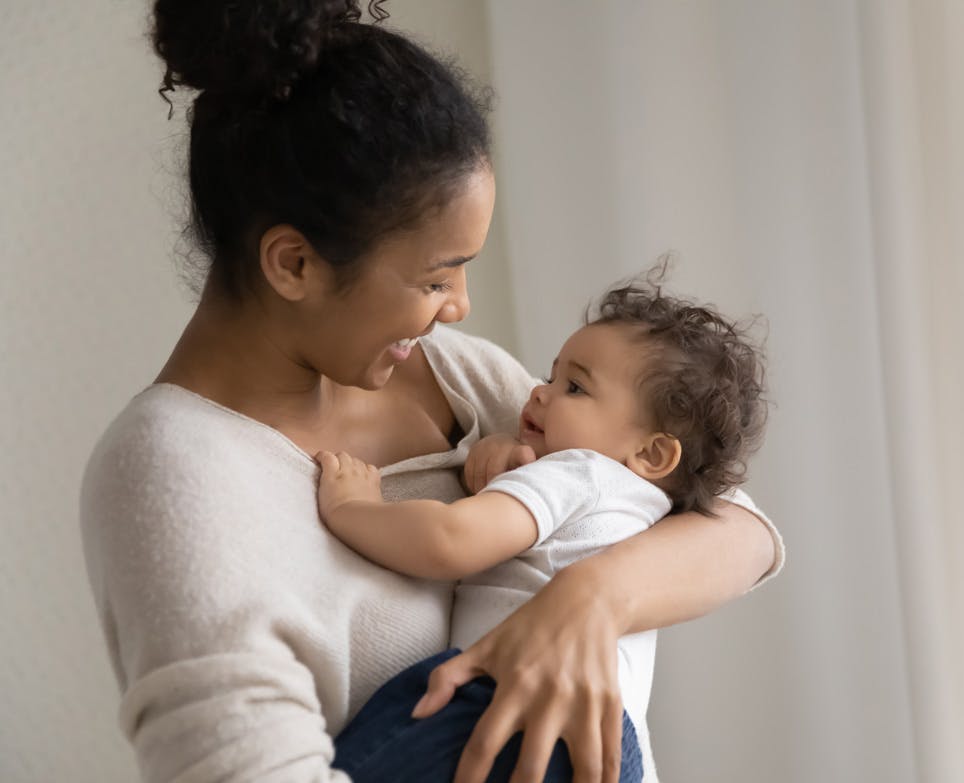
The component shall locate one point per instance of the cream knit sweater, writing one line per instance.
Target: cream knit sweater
(242, 634)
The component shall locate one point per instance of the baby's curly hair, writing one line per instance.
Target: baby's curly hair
(703, 383)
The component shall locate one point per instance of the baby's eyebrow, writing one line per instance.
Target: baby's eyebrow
(582, 368)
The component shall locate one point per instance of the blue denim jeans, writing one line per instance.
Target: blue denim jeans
(383, 744)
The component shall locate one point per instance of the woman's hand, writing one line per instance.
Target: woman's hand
(555, 664)
(491, 456)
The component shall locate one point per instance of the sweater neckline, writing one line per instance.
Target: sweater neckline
(273, 432)
(463, 411)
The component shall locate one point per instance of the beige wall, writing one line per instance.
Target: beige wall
(90, 305)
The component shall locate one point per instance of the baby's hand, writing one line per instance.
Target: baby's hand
(491, 456)
(345, 478)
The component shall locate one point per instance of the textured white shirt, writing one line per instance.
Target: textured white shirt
(582, 502)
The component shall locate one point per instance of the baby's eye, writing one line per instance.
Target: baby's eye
(546, 379)
(574, 388)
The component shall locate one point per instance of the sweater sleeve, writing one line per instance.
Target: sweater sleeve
(213, 690)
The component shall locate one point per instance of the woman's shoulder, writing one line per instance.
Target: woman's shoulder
(467, 348)
(168, 422)
(488, 376)
(168, 442)
(454, 353)
(160, 424)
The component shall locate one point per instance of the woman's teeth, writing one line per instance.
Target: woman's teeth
(408, 342)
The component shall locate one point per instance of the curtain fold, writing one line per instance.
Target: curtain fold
(915, 167)
(806, 160)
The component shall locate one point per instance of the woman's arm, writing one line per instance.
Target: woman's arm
(682, 568)
(555, 658)
(196, 609)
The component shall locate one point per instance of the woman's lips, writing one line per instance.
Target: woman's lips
(401, 350)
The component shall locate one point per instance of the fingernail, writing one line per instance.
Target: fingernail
(421, 703)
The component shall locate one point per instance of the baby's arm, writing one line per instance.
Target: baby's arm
(422, 538)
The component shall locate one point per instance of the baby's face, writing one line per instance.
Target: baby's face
(590, 400)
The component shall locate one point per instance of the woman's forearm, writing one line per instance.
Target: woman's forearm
(557, 649)
(683, 567)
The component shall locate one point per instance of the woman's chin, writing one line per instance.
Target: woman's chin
(380, 372)
(379, 375)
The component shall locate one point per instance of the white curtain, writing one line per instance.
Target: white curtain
(806, 161)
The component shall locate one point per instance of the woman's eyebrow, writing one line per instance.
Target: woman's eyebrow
(450, 263)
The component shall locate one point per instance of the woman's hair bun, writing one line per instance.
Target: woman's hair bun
(244, 47)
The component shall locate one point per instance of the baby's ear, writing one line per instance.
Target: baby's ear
(656, 457)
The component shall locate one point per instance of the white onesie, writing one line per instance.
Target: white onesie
(582, 502)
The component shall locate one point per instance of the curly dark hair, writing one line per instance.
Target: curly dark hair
(703, 382)
(307, 116)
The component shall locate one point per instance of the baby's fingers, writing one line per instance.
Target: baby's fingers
(521, 455)
(329, 463)
(473, 465)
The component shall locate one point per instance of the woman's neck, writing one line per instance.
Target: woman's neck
(231, 354)
(228, 354)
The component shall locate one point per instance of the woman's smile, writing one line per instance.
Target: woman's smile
(402, 349)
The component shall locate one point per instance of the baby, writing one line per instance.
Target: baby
(653, 406)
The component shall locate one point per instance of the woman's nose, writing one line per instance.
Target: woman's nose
(457, 306)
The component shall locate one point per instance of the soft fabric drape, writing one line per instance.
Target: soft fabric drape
(806, 161)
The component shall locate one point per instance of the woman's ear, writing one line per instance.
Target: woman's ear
(657, 456)
(286, 262)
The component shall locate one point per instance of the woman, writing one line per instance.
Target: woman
(341, 182)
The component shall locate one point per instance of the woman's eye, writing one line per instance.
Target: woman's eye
(437, 288)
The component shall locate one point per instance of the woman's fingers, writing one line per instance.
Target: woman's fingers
(443, 681)
(489, 736)
(537, 745)
(612, 739)
(585, 740)
(556, 665)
